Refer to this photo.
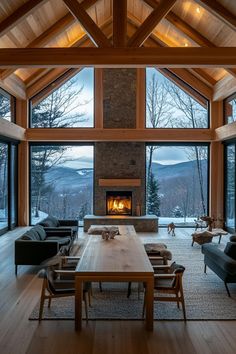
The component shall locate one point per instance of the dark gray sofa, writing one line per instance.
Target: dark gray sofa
(223, 263)
(52, 223)
(37, 244)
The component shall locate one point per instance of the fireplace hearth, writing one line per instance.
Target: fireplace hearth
(119, 203)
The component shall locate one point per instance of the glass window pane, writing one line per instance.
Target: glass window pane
(13, 185)
(230, 110)
(70, 105)
(230, 186)
(61, 181)
(168, 106)
(6, 106)
(177, 183)
(3, 186)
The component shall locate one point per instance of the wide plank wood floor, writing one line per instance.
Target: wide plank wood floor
(18, 335)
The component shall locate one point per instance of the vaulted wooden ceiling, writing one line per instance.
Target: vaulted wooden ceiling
(67, 23)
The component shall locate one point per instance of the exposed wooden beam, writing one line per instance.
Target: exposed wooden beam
(15, 86)
(11, 130)
(189, 31)
(144, 31)
(53, 74)
(224, 88)
(56, 29)
(219, 11)
(93, 135)
(225, 132)
(17, 16)
(184, 74)
(185, 28)
(93, 31)
(119, 23)
(203, 76)
(118, 57)
(174, 76)
(54, 85)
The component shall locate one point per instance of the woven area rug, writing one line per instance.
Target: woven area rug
(205, 294)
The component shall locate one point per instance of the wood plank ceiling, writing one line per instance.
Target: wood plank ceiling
(58, 23)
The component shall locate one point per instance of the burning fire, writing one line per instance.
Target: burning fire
(116, 206)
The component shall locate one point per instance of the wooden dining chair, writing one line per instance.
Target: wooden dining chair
(60, 283)
(168, 285)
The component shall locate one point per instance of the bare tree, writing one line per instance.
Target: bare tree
(59, 109)
(191, 115)
(158, 110)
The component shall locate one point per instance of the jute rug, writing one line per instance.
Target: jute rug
(205, 294)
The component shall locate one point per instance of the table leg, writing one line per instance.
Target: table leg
(219, 238)
(149, 303)
(78, 303)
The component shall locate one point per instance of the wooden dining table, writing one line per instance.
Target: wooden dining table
(122, 259)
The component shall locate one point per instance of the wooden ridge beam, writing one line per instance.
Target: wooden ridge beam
(218, 10)
(56, 29)
(18, 15)
(93, 135)
(146, 28)
(93, 31)
(119, 57)
(119, 23)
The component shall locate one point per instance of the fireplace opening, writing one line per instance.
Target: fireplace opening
(119, 203)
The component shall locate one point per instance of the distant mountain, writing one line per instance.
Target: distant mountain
(64, 178)
(163, 172)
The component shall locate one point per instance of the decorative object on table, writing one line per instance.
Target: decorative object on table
(98, 229)
(209, 221)
(108, 235)
(171, 229)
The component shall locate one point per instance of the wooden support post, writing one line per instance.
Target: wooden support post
(23, 163)
(98, 95)
(141, 99)
(216, 196)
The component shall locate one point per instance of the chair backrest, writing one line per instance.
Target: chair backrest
(178, 270)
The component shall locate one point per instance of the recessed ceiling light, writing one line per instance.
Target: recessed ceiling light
(198, 10)
(186, 44)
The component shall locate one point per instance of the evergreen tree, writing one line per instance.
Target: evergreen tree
(153, 198)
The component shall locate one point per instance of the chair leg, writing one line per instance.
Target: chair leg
(129, 289)
(100, 286)
(89, 297)
(183, 307)
(49, 302)
(16, 270)
(41, 307)
(86, 306)
(205, 268)
(144, 304)
(177, 300)
(226, 286)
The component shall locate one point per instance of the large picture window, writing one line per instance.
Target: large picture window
(169, 106)
(230, 109)
(8, 186)
(177, 182)
(61, 181)
(230, 199)
(7, 106)
(71, 104)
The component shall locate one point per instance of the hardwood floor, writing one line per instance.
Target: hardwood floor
(18, 335)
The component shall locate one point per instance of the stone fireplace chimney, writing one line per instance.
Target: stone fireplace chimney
(119, 160)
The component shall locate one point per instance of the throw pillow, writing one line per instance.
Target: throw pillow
(230, 250)
(41, 232)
